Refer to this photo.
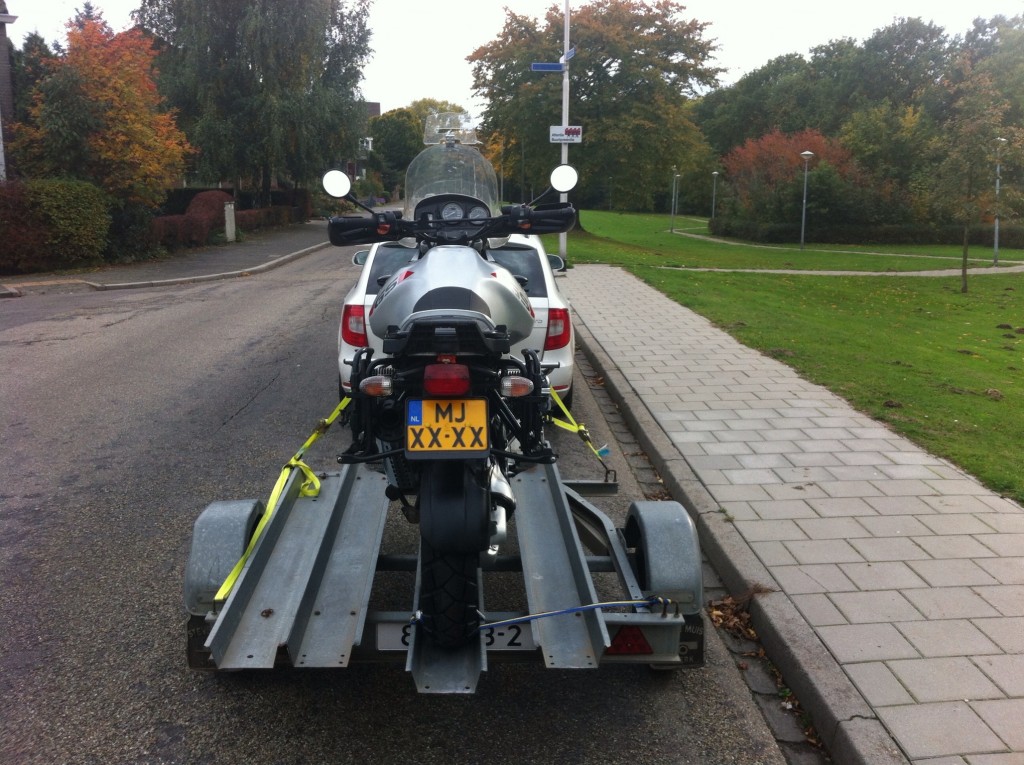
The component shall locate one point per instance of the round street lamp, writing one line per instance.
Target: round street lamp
(803, 216)
(714, 192)
(995, 245)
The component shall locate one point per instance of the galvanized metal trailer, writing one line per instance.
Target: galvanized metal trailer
(304, 595)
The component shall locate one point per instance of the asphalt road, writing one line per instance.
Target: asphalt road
(123, 415)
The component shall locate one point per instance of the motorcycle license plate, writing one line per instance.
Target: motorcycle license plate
(452, 427)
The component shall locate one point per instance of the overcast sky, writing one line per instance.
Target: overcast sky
(420, 53)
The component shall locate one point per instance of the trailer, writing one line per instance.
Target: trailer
(303, 593)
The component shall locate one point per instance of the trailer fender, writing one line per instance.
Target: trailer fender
(219, 539)
(666, 553)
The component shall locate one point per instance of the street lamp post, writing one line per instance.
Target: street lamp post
(675, 182)
(803, 216)
(714, 192)
(995, 241)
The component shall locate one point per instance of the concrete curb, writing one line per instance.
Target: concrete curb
(8, 292)
(213, 277)
(846, 723)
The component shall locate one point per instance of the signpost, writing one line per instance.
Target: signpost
(568, 132)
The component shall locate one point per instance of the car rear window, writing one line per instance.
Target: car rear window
(389, 258)
(521, 260)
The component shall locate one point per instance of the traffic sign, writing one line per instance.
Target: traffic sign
(547, 67)
(566, 134)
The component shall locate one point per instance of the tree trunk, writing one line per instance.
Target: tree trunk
(963, 266)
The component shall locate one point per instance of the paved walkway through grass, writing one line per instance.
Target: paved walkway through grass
(908, 571)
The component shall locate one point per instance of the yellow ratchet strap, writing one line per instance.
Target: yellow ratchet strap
(574, 427)
(310, 488)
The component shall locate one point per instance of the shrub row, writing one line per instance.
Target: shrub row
(1011, 237)
(51, 224)
(178, 200)
(55, 224)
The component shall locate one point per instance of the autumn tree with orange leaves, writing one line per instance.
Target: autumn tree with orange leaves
(97, 116)
(765, 182)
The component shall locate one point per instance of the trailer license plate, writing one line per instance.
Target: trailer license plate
(392, 636)
(446, 427)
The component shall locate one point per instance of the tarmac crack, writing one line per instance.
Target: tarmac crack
(250, 400)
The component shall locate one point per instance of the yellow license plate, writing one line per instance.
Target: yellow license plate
(452, 427)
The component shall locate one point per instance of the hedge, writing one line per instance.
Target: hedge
(52, 224)
(1010, 236)
(203, 214)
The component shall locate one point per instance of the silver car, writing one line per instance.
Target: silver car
(523, 256)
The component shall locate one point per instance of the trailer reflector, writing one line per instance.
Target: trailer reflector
(629, 641)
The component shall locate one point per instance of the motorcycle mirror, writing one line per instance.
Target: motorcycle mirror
(564, 178)
(337, 184)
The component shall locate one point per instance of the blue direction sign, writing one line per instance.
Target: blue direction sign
(547, 67)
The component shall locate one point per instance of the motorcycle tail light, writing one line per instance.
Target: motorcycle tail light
(446, 379)
(515, 386)
(377, 385)
(353, 326)
(559, 329)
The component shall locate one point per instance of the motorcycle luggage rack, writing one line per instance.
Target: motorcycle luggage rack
(447, 336)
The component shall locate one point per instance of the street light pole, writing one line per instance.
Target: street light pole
(714, 192)
(995, 245)
(675, 180)
(803, 217)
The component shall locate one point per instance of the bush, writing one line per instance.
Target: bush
(22, 230)
(50, 224)
(204, 215)
(1010, 237)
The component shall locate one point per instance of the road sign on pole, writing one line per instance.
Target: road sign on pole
(566, 134)
(541, 67)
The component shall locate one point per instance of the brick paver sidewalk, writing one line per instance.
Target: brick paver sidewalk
(909, 571)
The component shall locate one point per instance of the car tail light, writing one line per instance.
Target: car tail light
(353, 326)
(446, 379)
(559, 329)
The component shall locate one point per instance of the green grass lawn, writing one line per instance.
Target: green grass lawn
(634, 239)
(943, 368)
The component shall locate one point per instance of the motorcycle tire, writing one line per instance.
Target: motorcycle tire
(448, 596)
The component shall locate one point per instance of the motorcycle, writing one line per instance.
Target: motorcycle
(447, 408)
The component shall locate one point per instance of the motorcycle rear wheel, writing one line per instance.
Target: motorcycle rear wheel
(448, 595)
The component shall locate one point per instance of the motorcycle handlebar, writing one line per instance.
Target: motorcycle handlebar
(389, 226)
(379, 227)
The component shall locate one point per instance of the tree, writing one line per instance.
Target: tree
(96, 116)
(31, 64)
(765, 178)
(266, 90)
(890, 143)
(759, 102)
(397, 139)
(959, 182)
(422, 107)
(636, 66)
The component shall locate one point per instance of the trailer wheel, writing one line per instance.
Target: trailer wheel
(665, 554)
(448, 595)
